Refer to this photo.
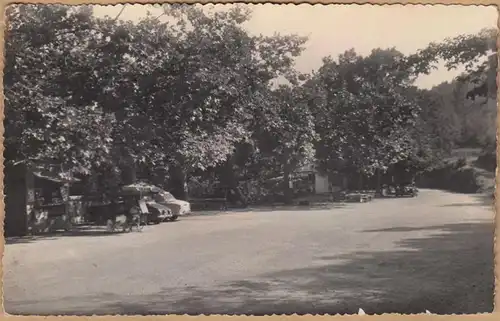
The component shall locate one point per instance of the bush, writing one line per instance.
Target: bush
(451, 177)
(487, 161)
(262, 192)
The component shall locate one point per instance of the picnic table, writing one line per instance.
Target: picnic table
(357, 197)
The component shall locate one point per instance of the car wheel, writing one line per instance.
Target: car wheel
(174, 218)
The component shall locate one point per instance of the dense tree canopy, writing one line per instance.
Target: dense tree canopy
(191, 94)
(179, 93)
(368, 109)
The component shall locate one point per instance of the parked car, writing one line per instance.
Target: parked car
(400, 190)
(160, 213)
(406, 190)
(178, 207)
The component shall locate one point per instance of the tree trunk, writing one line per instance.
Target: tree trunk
(230, 183)
(129, 175)
(378, 189)
(127, 167)
(178, 182)
(287, 182)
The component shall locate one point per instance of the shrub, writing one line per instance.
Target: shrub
(463, 179)
(487, 161)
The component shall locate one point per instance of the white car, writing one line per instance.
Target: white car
(178, 207)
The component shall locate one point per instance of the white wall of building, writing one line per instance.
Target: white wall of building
(321, 184)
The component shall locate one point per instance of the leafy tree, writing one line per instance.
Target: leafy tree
(363, 124)
(178, 95)
(287, 133)
(476, 52)
(207, 102)
(462, 122)
(40, 123)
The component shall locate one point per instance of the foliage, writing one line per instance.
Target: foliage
(476, 52)
(193, 95)
(180, 93)
(459, 121)
(287, 130)
(364, 121)
(42, 123)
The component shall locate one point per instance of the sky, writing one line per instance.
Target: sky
(333, 29)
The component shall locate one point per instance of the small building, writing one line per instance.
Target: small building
(36, 199)
(321, 183)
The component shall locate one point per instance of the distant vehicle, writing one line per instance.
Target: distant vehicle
(400, 190)
(406, 190)
(178, 207)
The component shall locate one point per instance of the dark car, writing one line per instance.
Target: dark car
(406, 190)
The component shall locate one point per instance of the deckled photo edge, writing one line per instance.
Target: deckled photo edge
(360, 315)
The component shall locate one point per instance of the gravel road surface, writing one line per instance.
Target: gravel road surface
(432, 252)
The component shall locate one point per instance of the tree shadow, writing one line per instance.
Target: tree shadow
(479, 200)
(486, 199)
(84, 230)
(288, 208)
(448, 272)
(462, 205)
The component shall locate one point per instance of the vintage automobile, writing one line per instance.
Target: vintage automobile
(113, 213)
(160, 213)
(178, 207)
(406, 190)
(138, 195)
(400, 190)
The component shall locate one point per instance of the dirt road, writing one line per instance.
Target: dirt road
(432, 252)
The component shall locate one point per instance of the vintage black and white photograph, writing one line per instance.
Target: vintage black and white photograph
(249, 159)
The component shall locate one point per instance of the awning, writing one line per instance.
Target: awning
(53, 177)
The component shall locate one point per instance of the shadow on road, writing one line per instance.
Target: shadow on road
(449, 272)
(89, 230)
(479, 200)
(309, 207)
(86, 230)
(270, 208)
(487, 199)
